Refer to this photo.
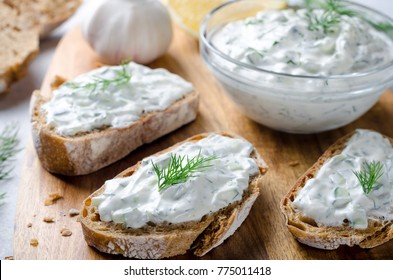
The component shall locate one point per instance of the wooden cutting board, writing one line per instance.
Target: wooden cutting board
(262, 236)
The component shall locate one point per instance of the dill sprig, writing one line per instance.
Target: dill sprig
(325, 22)
(8, 149)
(179, 169)
(369, 176)
(122, 78)
(331, 16)
(2, 197)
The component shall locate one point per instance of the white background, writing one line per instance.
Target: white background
(15, 107)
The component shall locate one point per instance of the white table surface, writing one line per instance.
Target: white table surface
(14, 107)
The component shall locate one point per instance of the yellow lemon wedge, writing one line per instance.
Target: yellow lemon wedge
(188, 14)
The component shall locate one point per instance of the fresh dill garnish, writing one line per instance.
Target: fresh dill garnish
(325, 22)
(291, 62)
(179, 169)
(2, 197)
(333, 10)
(8, 149)
(99, 83)
(369, 176)
(381, 26)
(260, 53)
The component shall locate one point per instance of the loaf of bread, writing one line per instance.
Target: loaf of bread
(89, 151)
(19, 47)
(363, 217)
(44, 15)
(163, 240)
(22, 23)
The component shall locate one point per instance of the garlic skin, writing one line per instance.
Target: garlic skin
(137, 30)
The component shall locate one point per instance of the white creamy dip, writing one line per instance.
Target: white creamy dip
(335, 194)
(135, 200)
(279, 73)
(281, 41)
(82, 108)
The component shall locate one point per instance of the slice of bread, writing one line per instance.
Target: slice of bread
(167, 240)
(19, 47)
(22, 23)
(44, 15)
(87, 152)
(306, 230)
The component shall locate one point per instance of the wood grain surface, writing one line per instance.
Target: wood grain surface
(262, 236)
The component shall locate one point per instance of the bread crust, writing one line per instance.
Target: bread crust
(167, 240)
(306, 230)
(88, 152)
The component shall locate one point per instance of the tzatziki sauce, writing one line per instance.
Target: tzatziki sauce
(335, 197)
(135, 200)
(281, 41)
(289, 77)
(88, 103)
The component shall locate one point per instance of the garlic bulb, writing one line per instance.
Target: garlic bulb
(137, 30)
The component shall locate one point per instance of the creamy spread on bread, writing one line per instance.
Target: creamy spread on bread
(335, 197)
(115, 96)
(136, 200)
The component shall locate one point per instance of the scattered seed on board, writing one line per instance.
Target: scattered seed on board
(66, 232)
(73, 212)
(293, 163)
(52, 198)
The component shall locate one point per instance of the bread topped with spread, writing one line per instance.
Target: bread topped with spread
(191, 196)
(101, 116)
(346, 197)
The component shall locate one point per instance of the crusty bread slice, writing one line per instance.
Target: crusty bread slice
(167, 240)
(306, 230)
(87, 152)
(44, 15)
(19, 47)
(22, 23)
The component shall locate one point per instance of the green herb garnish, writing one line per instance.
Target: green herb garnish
(179, 169)
(333, 10)
(369, 176)
(381, 26)
(291, 62)
(8, 149)
(100, 83)
(325, 22)
(2, 197)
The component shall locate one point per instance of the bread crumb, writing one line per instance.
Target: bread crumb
(57, 82)
(53, 197)
(66, 232)
(293, 163)
(34, 242)
(9, 258)
(73, 212)
(49, 220)
(29, 225)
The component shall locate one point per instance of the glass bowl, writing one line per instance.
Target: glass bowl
(285, 102)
